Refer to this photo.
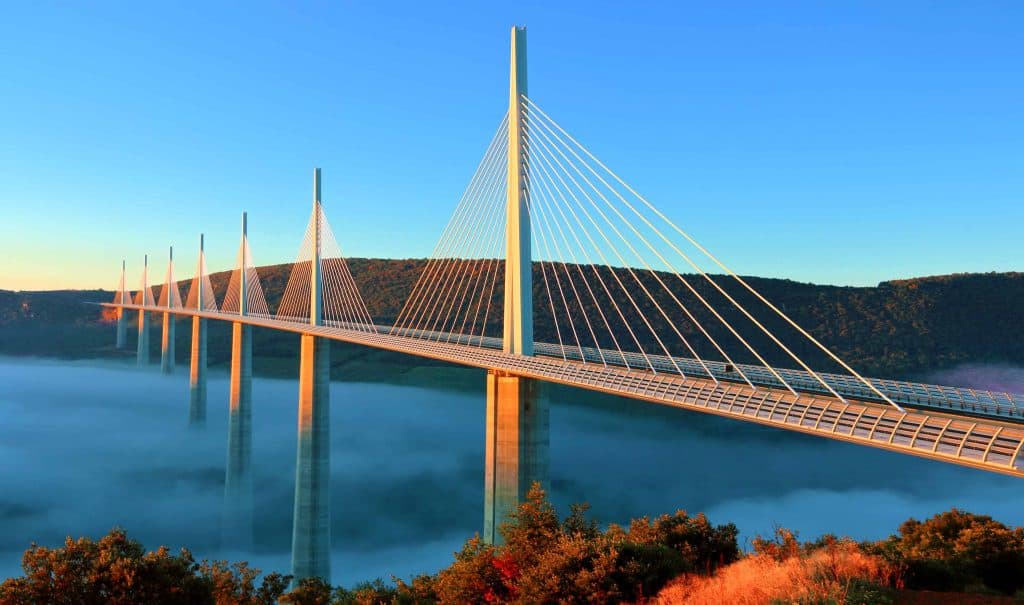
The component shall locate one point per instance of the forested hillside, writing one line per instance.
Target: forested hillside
(895, 329)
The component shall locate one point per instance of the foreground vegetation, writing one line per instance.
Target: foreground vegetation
(675, 558)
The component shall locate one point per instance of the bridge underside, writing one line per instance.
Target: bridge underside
(984, 443)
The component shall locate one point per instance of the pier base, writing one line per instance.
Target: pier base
(517, 447)
(197, 374)
(122, 328)
(143, 349)
(237, 530)
(167, 345)
(311, 533)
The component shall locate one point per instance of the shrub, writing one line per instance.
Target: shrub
(839, 573)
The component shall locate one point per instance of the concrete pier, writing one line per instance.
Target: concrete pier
(311, 533)
(122, 329)
(197, 374)
(238, 474)
(517, 447)
(167, 345)
(143, 348)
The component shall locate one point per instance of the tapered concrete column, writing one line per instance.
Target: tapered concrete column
(197, 374)
(167, 345)
(122, 315)
(122, 328)
(311, 534)
(517, 336)
(143, 348)
(517, 447)
(238, 473)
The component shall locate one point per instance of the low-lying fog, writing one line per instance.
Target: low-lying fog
(86, 446)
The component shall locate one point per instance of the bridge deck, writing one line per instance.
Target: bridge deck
(980, 442)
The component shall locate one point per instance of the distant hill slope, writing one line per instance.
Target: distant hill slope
(896, 329)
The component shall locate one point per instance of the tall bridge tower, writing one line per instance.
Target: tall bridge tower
(122, 315)
(197, 357)
(311, 529)
(143, 342)
(238, 504)
(517, 416)
(169, 320)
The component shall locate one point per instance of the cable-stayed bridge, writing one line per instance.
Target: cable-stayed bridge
(553, 269)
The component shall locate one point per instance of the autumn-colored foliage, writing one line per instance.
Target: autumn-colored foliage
(839, 572)
(670, 559)
(957, 550)
(548, 560)
(116, 570)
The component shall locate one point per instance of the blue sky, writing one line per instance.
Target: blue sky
(842, 143)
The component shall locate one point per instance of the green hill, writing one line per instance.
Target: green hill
(896, 329)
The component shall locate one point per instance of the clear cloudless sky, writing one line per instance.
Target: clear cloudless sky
(833, 142)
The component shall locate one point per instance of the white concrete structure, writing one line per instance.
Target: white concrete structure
(311, 529)
(516, 453)
(238, 471)
(518, 334)
(122, 318)
(167, 338)
(143, 342)
(517, 417)
(197, 366)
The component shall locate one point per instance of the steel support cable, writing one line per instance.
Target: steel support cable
(547, 288)
(258, 302)
(498, 265)
(699, 325)
(718, 316)
(468, 244)
(428, 281)
(361, 319)
(544, 224)
(579, 266)
(201, 284)
(298, 286)
(721, 265)
(344, 281)
(545, 159)
(335, 299)
(541, 227)
(253, 292)
(494, 234)
(362, 312)
(728, 297)
(615, 250)
(440, 269)
(482, 232)
(631, 272)
(421, 281)
(291, 307)
(647, 265)
(232, 299)
(542, 164)
(255, 301)
(543, 213)
(425, 281)
(489, 274)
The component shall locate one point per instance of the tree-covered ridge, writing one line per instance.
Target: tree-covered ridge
(896, 329)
